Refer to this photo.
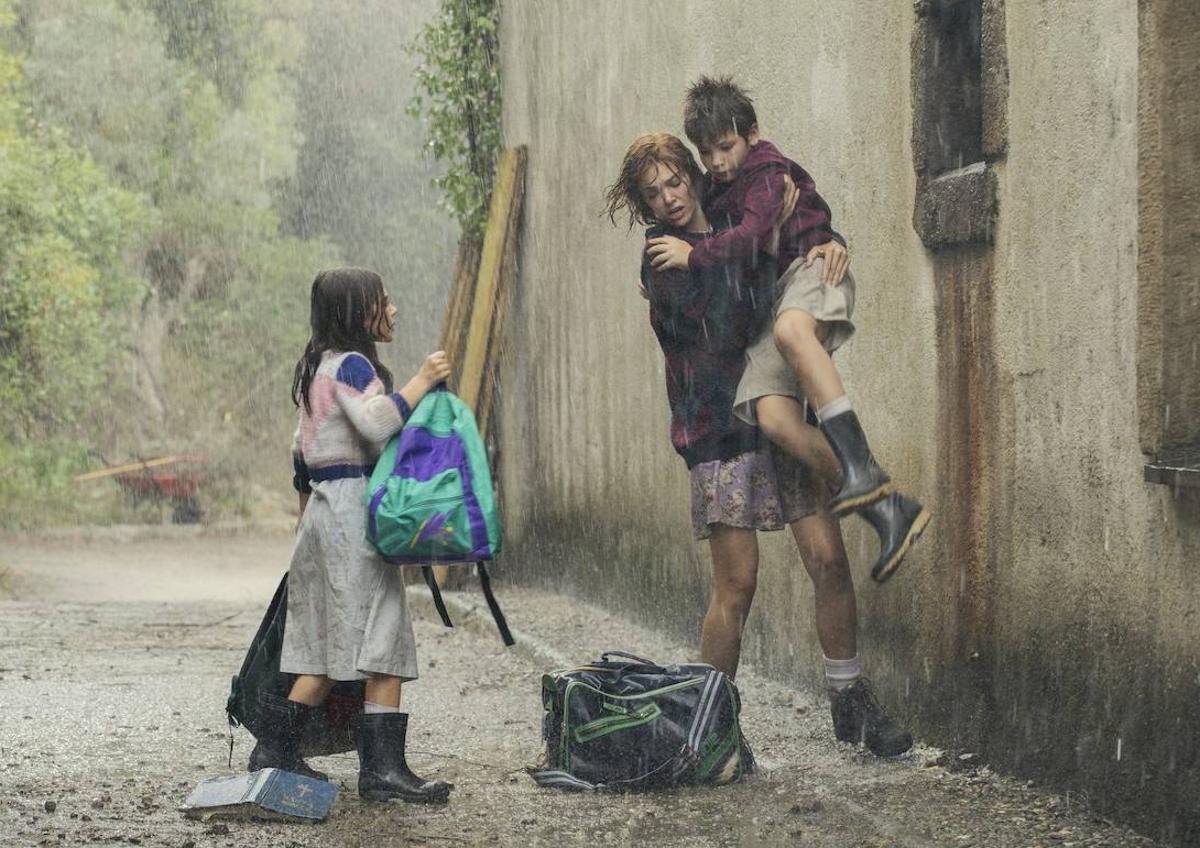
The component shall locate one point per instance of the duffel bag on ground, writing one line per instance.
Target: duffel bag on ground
(627, 724)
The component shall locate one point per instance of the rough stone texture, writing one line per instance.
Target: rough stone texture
(958, 207)
(1049, 614)
(994, 73)
(957, 125)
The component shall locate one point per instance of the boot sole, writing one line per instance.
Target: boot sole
(883, 574)
(842, 508)
(381, 795)
(859, 740)
(887, 752)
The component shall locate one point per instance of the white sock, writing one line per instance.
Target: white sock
(371, 708)
(841, 673)
(834, 408)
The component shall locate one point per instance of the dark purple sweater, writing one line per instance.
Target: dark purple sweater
(704, 321)
(745, 210)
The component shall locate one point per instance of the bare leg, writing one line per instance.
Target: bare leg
(798, 337)
(310, 689)
(781, 418)
(384, 690)
(819, 540)
(735, 577)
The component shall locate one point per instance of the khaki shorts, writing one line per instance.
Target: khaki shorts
(767, 372)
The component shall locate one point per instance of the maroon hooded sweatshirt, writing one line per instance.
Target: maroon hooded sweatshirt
(744, 213)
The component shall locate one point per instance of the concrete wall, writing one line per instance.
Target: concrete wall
(1049, 617)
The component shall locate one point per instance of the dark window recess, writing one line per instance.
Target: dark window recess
(960, 84)
(1178, 467)
(955, 119)
(1168, 240)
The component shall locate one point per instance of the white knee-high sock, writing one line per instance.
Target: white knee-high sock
(841, 673)
(371, 708)
(834, 408)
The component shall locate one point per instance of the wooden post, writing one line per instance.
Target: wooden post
(473, 329)
(458, 306)
(499, 242)
(503, 296)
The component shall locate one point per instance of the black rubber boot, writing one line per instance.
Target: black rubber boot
(863, 481)
(857, 717)
(383, 772)
(279, 740)
(899, 521)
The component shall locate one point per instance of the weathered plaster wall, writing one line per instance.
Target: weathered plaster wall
(1068, 621)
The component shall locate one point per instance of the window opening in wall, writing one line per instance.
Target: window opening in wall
(1168, 314)
(956, 119)
(960, 85)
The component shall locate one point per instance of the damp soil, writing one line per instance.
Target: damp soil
(116, 650)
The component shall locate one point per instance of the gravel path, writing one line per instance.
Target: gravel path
(116, 649)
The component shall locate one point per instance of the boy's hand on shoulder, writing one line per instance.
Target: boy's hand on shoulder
(668, 253)
(837, 261)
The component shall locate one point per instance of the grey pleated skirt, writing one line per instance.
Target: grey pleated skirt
(347, 615)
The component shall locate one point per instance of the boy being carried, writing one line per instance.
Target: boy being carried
(791, 363)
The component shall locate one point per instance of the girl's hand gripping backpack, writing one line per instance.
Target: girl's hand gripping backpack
(430, 499)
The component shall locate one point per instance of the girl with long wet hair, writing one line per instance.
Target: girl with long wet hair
(347, 614)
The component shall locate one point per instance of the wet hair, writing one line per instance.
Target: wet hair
(646, 150)
(343, 301)
(713, 107)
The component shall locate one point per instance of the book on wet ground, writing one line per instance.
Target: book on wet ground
(271, 794)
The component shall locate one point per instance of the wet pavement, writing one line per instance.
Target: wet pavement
(116, 649)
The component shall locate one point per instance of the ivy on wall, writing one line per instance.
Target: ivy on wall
(458, 93)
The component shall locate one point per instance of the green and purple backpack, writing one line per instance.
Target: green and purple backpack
(430, 499)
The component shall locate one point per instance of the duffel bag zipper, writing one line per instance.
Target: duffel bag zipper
(564, 754)
(611, 724)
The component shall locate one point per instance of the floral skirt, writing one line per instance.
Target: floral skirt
(763, 489)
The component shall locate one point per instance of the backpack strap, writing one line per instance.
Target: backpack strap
(431, 581)
(485, 582)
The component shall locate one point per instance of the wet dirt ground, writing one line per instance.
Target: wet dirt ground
(116, 649)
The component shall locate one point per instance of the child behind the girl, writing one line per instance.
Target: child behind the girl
(347, 615)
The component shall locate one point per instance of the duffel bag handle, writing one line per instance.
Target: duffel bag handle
(633, 657)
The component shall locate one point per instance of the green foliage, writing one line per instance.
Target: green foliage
(153, 278)
(140, 145)
(217, 38)
(64, 230)
(459, 93)
(207, 166)
(243, 389)
(36, 477)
